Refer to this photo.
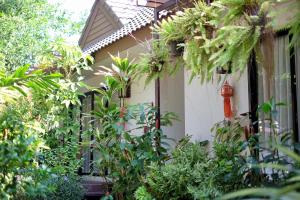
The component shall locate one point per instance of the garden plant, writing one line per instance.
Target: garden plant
(41, 113)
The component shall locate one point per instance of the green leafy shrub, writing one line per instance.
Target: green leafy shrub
(35, 114)
(27, 164)
(228, 147)
(142, 194)
(192, 173)
(60, 126)
(286, 189)
(54, 188)
(59, 111)
(63, 160)
(65, 187)
(124, 155)
(189, 175)
(20, 141)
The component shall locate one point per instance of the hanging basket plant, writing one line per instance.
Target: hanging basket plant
(170, 35)
(157, 62)
(246, 30)
(199, 22)
(221, 37)
(193, 28)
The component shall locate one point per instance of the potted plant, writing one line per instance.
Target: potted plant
(245, 31)
(197, 25)
(170, 35)
(224, 70)
(155, 62)
(126, 91)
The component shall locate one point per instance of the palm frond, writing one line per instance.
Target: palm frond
(21, 80)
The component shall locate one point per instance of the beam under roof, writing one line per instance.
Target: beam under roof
(155, 3)
(160, 5)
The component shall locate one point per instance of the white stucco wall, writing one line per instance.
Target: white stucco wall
(141, 93)
(204, 104)
(172, 100)
(93, 81)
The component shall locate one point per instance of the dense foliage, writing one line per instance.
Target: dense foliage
(64, 187)
(237, 162)
(20, 143)
(195, 174)
(39, 126)
(28, 27)
(189, 175)
(40, 110)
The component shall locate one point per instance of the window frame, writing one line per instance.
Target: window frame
(91, 165)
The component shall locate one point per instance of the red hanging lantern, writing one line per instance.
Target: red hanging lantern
(227, 93)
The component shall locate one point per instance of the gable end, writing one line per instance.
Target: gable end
(101, 22)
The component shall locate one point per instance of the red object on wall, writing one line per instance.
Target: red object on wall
(227, 93)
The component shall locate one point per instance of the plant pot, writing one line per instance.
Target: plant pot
(154, 65)
(209, 31)
(126, 93)
(174, 49)
(222, 70)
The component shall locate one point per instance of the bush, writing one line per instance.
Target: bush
(189, 175)
(194, 174)
(62, 188)
(229, 161)
(142, 194)
(125, 156)
(19, 148)
(66, 188)
(63, 159)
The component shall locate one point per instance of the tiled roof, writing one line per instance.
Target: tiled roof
(125, 10)
(143, 17)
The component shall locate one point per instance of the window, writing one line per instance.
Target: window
(297, 88)
(87, 126)
(281, 84)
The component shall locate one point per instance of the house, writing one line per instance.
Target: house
(122, 27)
